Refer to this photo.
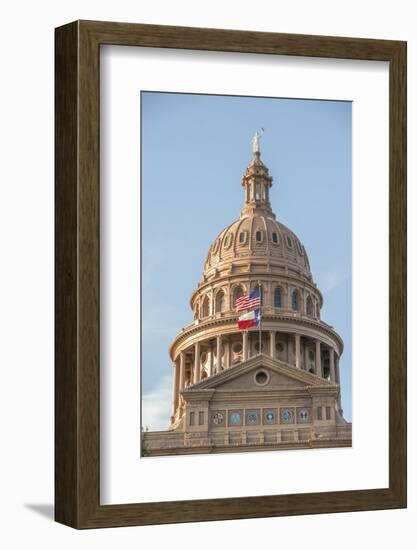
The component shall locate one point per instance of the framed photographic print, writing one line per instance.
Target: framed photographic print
(230, 274)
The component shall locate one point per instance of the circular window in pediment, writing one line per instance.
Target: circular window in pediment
(261, 377)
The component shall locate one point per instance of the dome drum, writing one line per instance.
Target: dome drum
(277, 296)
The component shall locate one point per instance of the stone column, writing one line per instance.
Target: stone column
(332, 370)
(339, 397)
(290, 354)
(219, 352)
(272, 343)
(337, 369)
(245, 344)
(229, 354)
(211, 368)
(297, 351)
(175, 384)
(182, 370)
(305, 355)
(196, 362)
(318, 358)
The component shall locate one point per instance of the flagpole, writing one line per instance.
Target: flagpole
(260, 317)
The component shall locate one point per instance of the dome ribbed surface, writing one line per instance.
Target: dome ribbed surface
(257, 236)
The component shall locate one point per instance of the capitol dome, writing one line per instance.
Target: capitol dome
(255, 251)
(257, 234)
(256, 243)
(269, 383)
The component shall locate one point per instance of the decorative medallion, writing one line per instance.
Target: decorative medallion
(287, 416)
(218, 418)
(279, 347)
(303, 415)
(252, 417)
(269, 417)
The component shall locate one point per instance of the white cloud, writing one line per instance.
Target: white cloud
(332, 278)
(156, 405)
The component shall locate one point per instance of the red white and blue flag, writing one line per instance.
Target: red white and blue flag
(250, 319)
(249, 301)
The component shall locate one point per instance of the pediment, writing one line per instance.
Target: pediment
(247, 381)
(242, 376)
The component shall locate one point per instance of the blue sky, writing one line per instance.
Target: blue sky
(195, 149)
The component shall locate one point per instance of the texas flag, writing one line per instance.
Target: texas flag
(250, 319)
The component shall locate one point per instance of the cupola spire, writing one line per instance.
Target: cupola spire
(257, 181)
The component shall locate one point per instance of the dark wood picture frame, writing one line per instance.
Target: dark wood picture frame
(77, 359)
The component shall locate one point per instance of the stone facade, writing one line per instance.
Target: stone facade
(278, 387)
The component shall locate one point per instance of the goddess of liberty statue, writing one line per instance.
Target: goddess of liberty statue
(255, 140)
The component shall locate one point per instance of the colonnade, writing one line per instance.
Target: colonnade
(219, 355)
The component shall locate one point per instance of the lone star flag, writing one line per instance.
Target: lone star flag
(250, 319)
(249, 301)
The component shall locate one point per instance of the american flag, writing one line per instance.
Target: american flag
(249, 301)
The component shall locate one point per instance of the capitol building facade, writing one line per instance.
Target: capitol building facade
(276, 386)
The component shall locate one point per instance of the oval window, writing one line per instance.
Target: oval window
(242, 237)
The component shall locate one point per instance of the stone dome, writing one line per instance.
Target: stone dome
(257, 236)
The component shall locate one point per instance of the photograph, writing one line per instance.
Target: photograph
(246, 273)
(208, 267)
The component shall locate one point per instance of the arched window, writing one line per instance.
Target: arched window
(237, 293)
(309, 306)
(295, 300)
(258, 236)
(205, 307)
(275, 238)
(277, 297)
(220, 301)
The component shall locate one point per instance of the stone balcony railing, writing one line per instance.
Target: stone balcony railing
(267, 311)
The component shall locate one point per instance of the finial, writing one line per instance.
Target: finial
(255, 140)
